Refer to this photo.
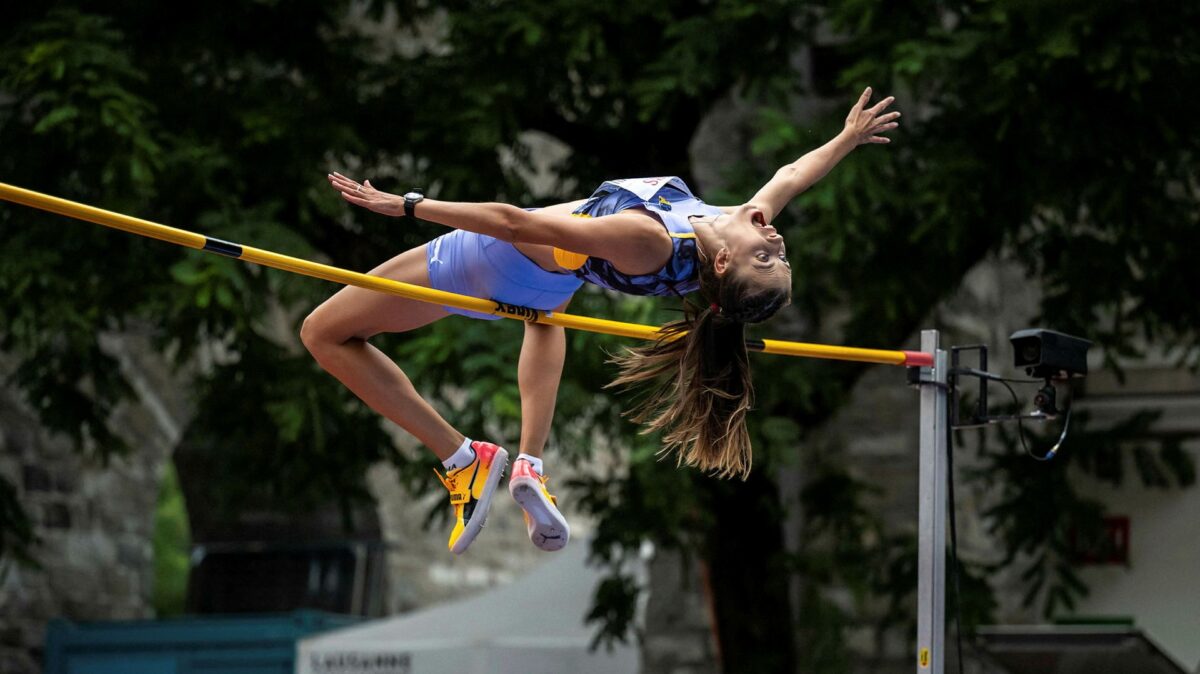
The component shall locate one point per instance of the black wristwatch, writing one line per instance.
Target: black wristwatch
(414, 196)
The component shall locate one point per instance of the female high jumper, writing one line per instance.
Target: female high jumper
(642, 236)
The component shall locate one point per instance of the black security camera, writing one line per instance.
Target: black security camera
(1047, 354)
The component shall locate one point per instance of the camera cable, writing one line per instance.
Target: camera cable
(1062, 437)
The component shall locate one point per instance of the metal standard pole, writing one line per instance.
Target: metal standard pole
(931, 540)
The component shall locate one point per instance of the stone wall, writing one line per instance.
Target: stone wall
(94, 522)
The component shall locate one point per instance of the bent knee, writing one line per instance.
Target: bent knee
(315, 333)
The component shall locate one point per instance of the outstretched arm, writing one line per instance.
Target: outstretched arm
(863, 125)
(631, 239)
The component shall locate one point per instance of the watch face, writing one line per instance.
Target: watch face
(414, 195)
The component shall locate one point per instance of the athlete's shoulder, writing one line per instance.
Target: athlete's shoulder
(647, 188)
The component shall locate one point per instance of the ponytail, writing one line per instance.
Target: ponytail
(702, 405)
(700, 374)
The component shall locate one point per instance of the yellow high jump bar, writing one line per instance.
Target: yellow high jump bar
(296, 265)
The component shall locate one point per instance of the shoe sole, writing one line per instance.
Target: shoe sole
(472, 528)
(550, 529)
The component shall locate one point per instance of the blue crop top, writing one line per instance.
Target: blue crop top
(667, 198)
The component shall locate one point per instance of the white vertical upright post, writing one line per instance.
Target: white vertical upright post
(931, 538)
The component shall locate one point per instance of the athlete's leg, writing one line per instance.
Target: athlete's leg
(538, 373)
(337, 331)
(539, 370)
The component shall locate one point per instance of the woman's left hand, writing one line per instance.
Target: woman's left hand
(366, 196)
(867, 125)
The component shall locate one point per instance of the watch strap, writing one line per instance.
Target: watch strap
(414, 196)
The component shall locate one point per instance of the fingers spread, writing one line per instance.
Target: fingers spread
(881, 105)
(862, 100)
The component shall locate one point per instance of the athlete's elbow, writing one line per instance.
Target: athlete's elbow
(789, 174)
(513, 223)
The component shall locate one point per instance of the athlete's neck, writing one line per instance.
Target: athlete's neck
(707, 238)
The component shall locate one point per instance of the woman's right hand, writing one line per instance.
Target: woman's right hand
(366, 196)
(867, 126)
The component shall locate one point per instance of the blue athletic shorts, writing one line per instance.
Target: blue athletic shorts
(481, 266)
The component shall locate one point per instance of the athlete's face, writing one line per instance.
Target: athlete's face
(752, 248)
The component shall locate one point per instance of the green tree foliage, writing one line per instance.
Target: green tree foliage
(1051, 132)
(1044, 132)
(172, 538)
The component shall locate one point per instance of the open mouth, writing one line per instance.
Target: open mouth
(758, 219)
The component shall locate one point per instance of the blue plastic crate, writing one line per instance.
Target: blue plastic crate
(207, 645)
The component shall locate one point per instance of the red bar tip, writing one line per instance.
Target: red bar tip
(918, 359)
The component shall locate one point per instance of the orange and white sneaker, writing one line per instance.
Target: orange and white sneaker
(471, 488)
(547, 527)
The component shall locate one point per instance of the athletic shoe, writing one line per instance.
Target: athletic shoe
(547, 527)
(471, 488)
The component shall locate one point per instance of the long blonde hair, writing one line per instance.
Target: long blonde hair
(699, 374)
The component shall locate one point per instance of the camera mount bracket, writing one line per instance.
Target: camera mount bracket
(1045, 405)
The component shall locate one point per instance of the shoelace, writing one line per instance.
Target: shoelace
(458, 495)
(544, 479)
